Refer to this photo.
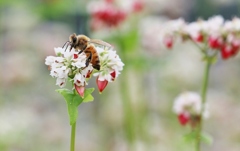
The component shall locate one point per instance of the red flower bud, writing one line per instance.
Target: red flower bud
(101, 84)
(113, 74)
(75, 56)
(109, 15)
(80, 90)
(199, 38)
(235, 47)
(183, 118)
(215, 42)
(226, 51)
(89, 73)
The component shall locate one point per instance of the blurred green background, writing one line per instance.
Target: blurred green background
(134, 113)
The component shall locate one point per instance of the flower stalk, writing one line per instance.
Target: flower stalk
(204, 98)
(73, 132)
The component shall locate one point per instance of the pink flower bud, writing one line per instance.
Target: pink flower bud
(137, 6)
(109, 1)
(168, 42)
(101, 84)
(183, 118)
(80, 90)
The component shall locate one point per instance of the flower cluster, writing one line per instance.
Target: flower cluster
(109, 13)
(71, 65)
(188, 107)
(217, 34)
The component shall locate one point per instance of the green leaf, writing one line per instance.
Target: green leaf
(88, 95)
(77, 100)
(67, 94)
(73, 101)
(89, 98)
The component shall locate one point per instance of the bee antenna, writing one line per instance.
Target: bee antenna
(67, 42)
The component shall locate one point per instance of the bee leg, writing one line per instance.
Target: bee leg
(80, 52)
(89, 59)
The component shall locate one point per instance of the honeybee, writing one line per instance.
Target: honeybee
(84, 44)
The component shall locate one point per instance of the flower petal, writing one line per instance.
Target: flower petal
(101, 84)
(80, 90)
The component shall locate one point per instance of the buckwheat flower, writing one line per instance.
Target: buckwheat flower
(188, 102)
(66, 64)
(177, 25)
(49, 60)
(106, 14)
(148, 28)
(232, 25)
(196, 30)
(111, 65)
(170, 30)
(214, 24)
(79, 61)
(61, 82)
(188, 107)
(79, 80)
(236, 23)
(71, 65)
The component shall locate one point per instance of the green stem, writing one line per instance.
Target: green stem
(203, 51)
(73, 132)
(203, 95)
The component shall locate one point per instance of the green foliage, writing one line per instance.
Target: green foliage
(88, 97)
(191, 137)
(129, 40)
(73, 100)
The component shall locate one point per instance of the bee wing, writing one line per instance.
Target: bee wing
(100, 42)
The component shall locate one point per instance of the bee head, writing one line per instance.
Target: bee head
(73, 39)
(77, 42)
(83, 41)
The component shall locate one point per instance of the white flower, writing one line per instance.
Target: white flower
(236, 24)
(49, 60)
(195, 28)
(62, 65)
(110, 62)
(61, 82)
(79, 79)
(176, 25)
(215, 24)
(71, 65)
(80, 61)
(232, 26)
(59, 51)
(189, 102)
